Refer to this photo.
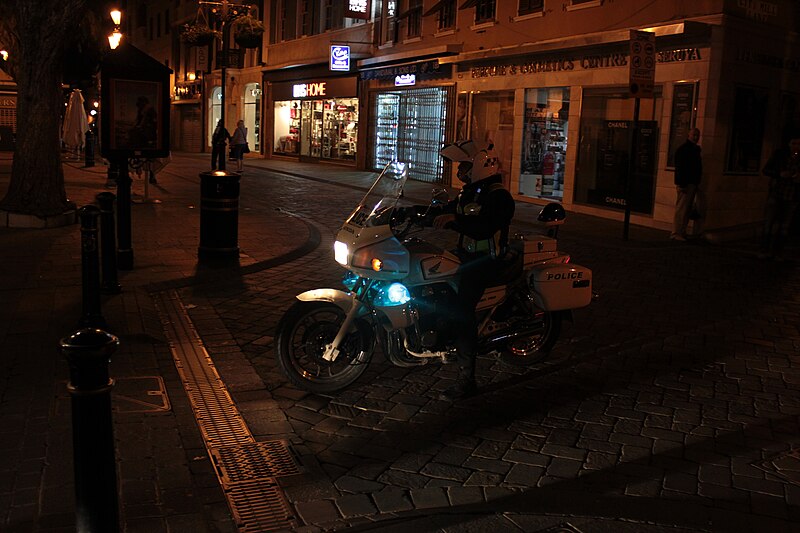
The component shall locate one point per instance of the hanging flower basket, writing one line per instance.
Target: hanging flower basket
(248, 32)
(197, 34)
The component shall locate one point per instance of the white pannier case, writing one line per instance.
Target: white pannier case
(561, 286)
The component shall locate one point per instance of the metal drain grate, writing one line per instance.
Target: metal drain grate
(217, 416)
(245, 468)
(259, 506)
(257, 460)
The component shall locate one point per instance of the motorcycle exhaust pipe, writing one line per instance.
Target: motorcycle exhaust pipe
(507, 335)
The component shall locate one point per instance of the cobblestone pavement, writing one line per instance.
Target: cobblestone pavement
(670, 404)
(671, 401)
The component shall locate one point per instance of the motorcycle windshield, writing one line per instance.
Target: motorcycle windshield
(375, 209)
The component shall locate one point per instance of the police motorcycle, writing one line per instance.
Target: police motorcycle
(397, 289)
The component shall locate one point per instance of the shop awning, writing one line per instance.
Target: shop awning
(410, 56)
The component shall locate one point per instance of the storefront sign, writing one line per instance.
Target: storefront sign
(309, 90)
(201, 58)
(358, 9)
(759, 9)
(404, 80)
(333, 87)
(584, 62)
(421, 69)
(340, 58)
(748, 55)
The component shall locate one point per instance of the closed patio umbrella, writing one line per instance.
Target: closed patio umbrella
(75, 122)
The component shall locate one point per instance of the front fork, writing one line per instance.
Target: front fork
(332, 350)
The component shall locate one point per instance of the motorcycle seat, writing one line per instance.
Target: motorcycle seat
(509, 268)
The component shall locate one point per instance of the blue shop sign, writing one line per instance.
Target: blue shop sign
(403, 80)
(340, 58)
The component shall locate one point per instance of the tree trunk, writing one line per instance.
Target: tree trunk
(37, 178)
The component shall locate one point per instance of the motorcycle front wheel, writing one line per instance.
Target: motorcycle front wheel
(301, 337)
(531, 349)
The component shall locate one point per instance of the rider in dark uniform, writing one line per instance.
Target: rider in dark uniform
(481, 214)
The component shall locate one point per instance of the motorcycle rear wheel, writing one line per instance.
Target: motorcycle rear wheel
(532, 349)
(301, 337)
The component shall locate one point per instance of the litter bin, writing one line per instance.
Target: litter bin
(219, 214)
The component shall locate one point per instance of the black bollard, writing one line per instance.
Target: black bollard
(112, 174)
(108, 244)
(124, 244)
(88, 352)
(219, 215)
(90, 267)
(88, 150)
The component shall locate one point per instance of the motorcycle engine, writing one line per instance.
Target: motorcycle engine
(433, 305)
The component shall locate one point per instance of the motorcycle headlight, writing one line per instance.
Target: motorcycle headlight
(392, 294)
(340, 252)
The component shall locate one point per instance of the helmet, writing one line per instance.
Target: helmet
(460, 151)
(551, 214)
(473, 164)
(484, 164)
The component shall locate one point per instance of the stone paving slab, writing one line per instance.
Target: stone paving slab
(671, 402)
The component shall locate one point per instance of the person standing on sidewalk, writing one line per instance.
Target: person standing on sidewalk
(690, 201)
(218, 143)
(783, 169)
(239, 144)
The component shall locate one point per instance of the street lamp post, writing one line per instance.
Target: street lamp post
(226, 12)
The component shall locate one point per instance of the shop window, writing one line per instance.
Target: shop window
(413, 19)
(252, 121)
(581, 4)
(528, 7)
(215, 111)
(604, 144)
(409, 126)
(484, 10)
(492, 123)
(287, 127)
(333, 14)
(747, 130)
(326, 129)
(308, 22)
(544, 142)
(445, 11)
(446, 17)
(389, 21)
(288, 20)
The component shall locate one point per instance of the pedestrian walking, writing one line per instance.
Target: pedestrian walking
(239, 144)
(783, 170)
(218, 142)
(690, 203)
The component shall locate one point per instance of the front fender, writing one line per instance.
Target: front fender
(335, 296)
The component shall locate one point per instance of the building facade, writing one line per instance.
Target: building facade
(546, 82)
(156, 28)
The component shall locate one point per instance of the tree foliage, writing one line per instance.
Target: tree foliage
(38, 35)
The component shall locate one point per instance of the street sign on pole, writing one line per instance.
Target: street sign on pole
(643, 63)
